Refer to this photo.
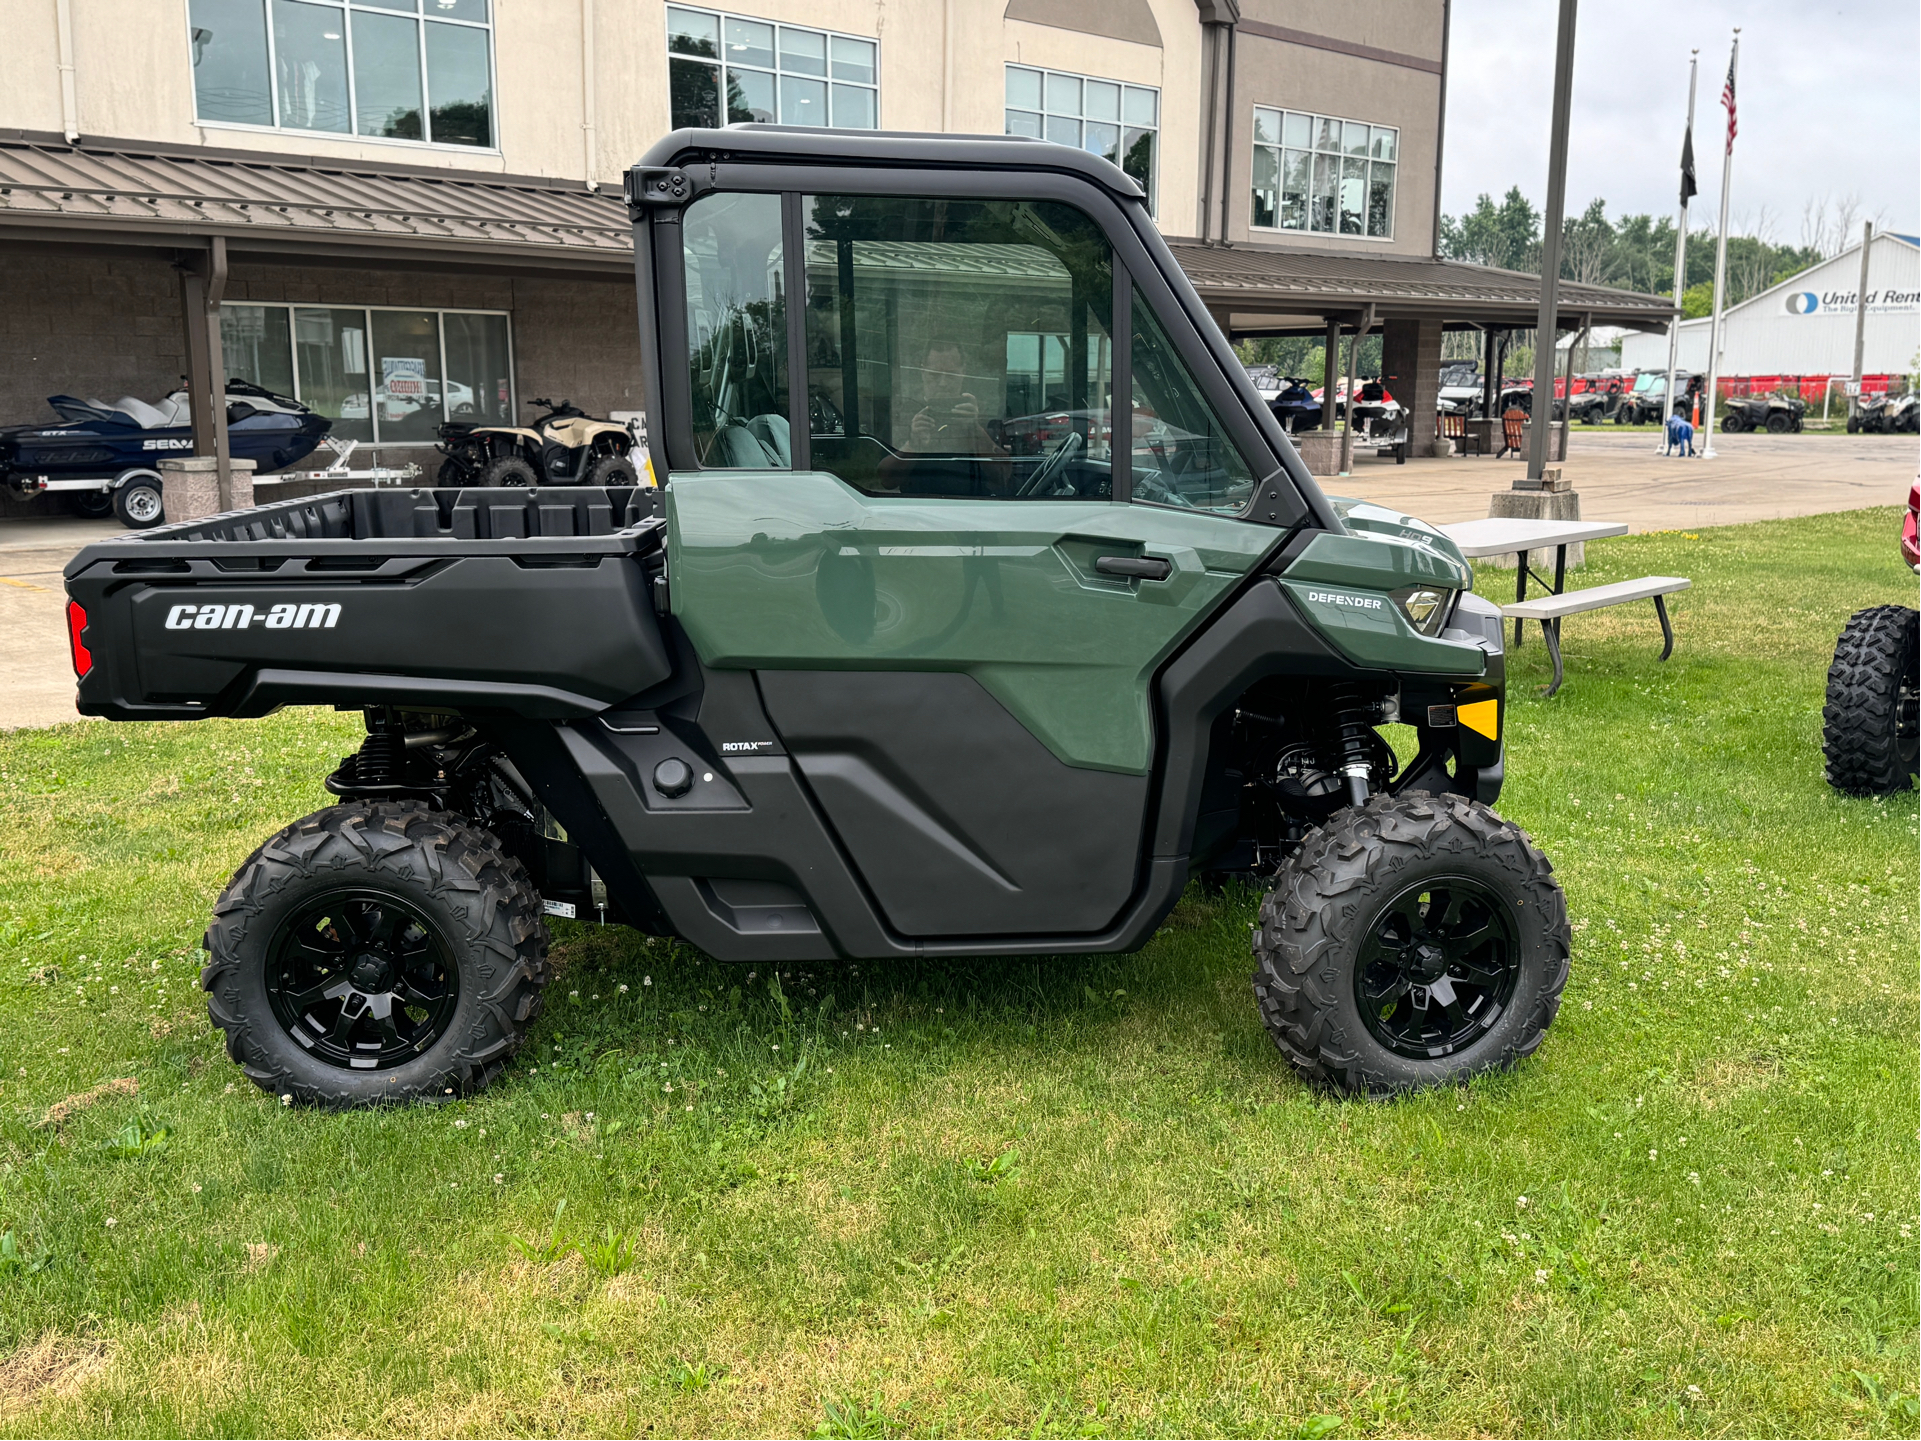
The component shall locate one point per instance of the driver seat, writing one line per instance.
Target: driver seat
(147, 417)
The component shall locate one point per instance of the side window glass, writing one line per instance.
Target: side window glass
(736, 332)
(1182, 456)
(959, 347)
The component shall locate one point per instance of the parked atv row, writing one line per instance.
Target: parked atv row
(1886, 415)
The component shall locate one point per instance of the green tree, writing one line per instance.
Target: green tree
(1697, 300)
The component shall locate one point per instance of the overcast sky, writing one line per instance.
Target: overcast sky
(1827, 91)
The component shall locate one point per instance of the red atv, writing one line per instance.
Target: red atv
(1873, 716)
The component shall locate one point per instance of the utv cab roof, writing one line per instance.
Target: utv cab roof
(805, 145)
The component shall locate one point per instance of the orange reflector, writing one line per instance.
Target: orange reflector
(1483, 717)
(76, 623)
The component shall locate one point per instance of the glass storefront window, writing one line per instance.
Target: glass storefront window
(479, 368)
(1336, 177)
(377, 372)
(768, 73)
(258, 345)
(230, 65)
(1118, 122)
(391, 69)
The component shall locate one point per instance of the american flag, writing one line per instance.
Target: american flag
(1727, 97)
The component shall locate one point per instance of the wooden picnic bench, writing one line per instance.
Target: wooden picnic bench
(1453, 424)
(1549, 610)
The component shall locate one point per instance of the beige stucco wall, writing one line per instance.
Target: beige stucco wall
(941, 69)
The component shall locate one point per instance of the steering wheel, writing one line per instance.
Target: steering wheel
(1042, 479)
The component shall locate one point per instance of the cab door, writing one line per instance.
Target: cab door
(906, 499)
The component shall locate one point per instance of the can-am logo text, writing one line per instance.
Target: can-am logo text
(286, 616)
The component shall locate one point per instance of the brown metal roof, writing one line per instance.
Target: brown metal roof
(1252, 281)
(127, 192)
(156, 192)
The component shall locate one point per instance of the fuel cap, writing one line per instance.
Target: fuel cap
(673, 777)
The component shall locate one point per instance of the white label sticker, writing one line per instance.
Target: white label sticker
(564, 909)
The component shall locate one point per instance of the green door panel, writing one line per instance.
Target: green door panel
(779, 570)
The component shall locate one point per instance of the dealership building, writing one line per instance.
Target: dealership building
(1797, 334)
(404, 211)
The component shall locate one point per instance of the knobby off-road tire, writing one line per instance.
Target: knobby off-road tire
(1868, 724)
(305, 914)
(612, 470)
(1374, 871)
(506, 470)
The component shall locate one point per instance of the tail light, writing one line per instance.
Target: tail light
(76, 623)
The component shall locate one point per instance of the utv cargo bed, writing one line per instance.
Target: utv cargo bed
(537, 603)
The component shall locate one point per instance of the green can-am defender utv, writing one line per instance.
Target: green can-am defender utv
(984, 606)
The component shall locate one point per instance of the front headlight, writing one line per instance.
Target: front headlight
(1425, 606)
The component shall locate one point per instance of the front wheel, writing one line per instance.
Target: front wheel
(507, 470)
(611, 470)
(1780, 424)
(374, 954)
(1732, 425)
(1411, 943)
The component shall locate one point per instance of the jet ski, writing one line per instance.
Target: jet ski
(108, 455)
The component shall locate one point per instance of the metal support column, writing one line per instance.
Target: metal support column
(203, 284)
(1551, 223)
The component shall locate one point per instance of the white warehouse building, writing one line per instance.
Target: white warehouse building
(1805, 325)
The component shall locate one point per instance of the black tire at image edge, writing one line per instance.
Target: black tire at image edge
(1325, 902)
(454, 875)
(1868, 743)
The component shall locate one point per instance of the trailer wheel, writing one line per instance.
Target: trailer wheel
(507, 470)
(1869, 727)
(373, 954)
(1414, 942)
(137, 505)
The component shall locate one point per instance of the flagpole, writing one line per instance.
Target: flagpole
(1720, 262)
(1680, 258)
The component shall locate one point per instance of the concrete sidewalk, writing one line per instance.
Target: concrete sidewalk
(1620, 477)
(1624, 477)
(36, 667)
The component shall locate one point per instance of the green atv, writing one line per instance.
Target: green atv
(984, 606)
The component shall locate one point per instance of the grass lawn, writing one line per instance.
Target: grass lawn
(1058, 1197)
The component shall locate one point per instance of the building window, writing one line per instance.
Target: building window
(1115, 121)
(388, 69)
(384, 375)
(768, 73)
(1317, 173)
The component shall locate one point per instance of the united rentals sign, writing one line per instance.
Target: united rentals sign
(1843, 302)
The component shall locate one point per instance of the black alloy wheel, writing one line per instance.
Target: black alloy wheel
(362, 980)
(1438, 967)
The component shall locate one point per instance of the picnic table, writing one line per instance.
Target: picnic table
(1500, 535)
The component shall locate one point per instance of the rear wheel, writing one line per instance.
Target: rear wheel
(137, 505)
(1414, 942)
(507, 470)
(1869, 725)
(1854, 425)
(376, 953)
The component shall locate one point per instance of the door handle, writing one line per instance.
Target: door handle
(1134, 567)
